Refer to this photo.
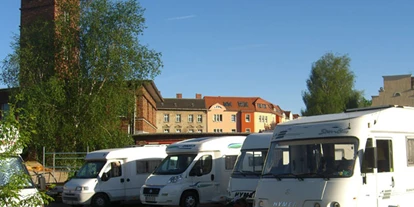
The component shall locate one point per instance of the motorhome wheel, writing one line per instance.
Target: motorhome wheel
(189, 199)
(100, 200)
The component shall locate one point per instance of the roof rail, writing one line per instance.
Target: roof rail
(372, 108)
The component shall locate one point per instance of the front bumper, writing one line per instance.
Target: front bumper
(77, 197)
(160, 195)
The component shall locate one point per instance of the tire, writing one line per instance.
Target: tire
(100, 200)
(189, 199)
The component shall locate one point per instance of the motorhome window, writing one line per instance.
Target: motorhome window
(205, 163)
(410, 151)
(330, 157)
(147, 166)
(368, 161)
(175, 164)
(12, 171)
(230, 160)
(116, 169)
(384, 156)
(90, 169)
(250, 162)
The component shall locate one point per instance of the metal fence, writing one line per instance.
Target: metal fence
(59, 166)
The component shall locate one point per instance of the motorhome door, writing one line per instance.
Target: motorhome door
(112, 179)
(385, 172)
(204, 182)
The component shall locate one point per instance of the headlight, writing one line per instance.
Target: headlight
(81, 188)
(317, 204)
(175, 179)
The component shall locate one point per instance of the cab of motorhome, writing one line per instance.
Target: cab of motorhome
(249, 166)
(362, 157)
(196, 171)
(112, 175)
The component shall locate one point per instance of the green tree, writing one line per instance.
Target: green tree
(330, 86)
(14, 134)
(78, 75)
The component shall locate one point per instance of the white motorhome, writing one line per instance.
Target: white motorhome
(112, 175)
(196, 171)
(362, 157)
(249, 165)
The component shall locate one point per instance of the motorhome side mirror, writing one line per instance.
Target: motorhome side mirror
(105, 177)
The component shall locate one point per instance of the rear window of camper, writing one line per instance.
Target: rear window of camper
(147, 166)
(229, 161)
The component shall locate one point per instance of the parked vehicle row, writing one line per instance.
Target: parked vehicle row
(362, 157)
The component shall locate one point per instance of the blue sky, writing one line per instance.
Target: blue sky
(265, 48)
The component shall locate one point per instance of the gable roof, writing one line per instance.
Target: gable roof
(190, 104)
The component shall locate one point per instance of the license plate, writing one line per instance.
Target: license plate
(150, 198)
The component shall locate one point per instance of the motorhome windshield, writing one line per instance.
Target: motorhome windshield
(311, 158)
(250, 163)
(12, 170)
(90, 169)
(174, 164)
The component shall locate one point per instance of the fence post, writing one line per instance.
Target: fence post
(54, 159)
(44, 160)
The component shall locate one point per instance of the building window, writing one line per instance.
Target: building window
(397, 94)
(226, 103)
(248, 130)
(190, 118)
(199, 118)
(66, 16)
(178, 118)
(217, 107)
(242, 104)
(265, 119)
(218, 118)
(247, 117)
(190, 131)
(233, 130)
(178, 130)
(218, 130)
(260, 119)
(199, 130)
(233, 118)
(166, 131)
(166, 118)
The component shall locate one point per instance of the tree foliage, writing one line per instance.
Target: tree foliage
(17, 188)
(78, 75)
(331, 87)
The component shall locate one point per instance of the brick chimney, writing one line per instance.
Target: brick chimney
(198, 95)
(179, 95)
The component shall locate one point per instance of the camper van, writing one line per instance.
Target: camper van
(112, 175)
(362, 157)
(196, 171)
(249, 165)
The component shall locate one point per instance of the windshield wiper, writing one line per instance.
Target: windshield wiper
(279, 176)
(314, 175)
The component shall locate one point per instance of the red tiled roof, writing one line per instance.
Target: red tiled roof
(287, 113)
(232, 103)
(242, 104)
